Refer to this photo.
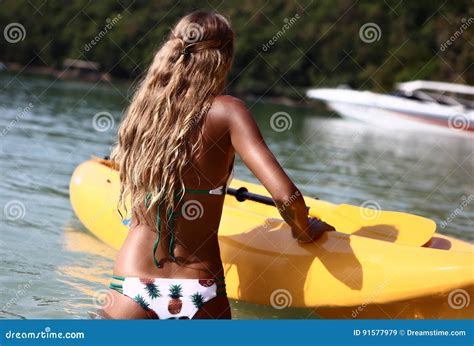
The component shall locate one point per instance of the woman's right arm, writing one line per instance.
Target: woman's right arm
(252, 149)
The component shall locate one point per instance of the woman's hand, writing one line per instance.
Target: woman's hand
(315, 230)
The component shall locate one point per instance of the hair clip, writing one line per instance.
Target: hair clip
(185, 52)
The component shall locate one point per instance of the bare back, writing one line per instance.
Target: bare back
(196, 246)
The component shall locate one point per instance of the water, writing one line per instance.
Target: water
(53, 268)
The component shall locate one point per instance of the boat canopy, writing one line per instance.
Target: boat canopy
(410, 87)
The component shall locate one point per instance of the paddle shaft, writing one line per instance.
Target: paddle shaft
(242, 194)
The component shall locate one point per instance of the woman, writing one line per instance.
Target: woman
(175, 155)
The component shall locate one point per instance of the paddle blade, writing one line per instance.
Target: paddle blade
(392, 226)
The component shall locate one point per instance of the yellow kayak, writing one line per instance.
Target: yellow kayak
(339, 276)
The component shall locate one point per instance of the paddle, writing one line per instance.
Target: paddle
(242, 194)
(391, 226)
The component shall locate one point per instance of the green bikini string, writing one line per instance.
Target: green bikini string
(158, 229)
(117, 287)
(202, 192)
(172, 218)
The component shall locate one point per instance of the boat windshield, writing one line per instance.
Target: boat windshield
(443, 93)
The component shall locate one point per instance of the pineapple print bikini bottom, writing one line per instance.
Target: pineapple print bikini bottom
(170, 298)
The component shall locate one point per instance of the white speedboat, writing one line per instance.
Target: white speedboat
(416, 104)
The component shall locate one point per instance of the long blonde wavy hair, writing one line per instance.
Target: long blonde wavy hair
(162, 128)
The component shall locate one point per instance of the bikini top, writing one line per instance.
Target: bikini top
(171, 215)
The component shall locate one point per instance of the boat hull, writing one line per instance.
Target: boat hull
(453, 305)
(396, 112)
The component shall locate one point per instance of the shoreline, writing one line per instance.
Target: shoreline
(48, 71)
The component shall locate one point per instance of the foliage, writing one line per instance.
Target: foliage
(321, 48)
